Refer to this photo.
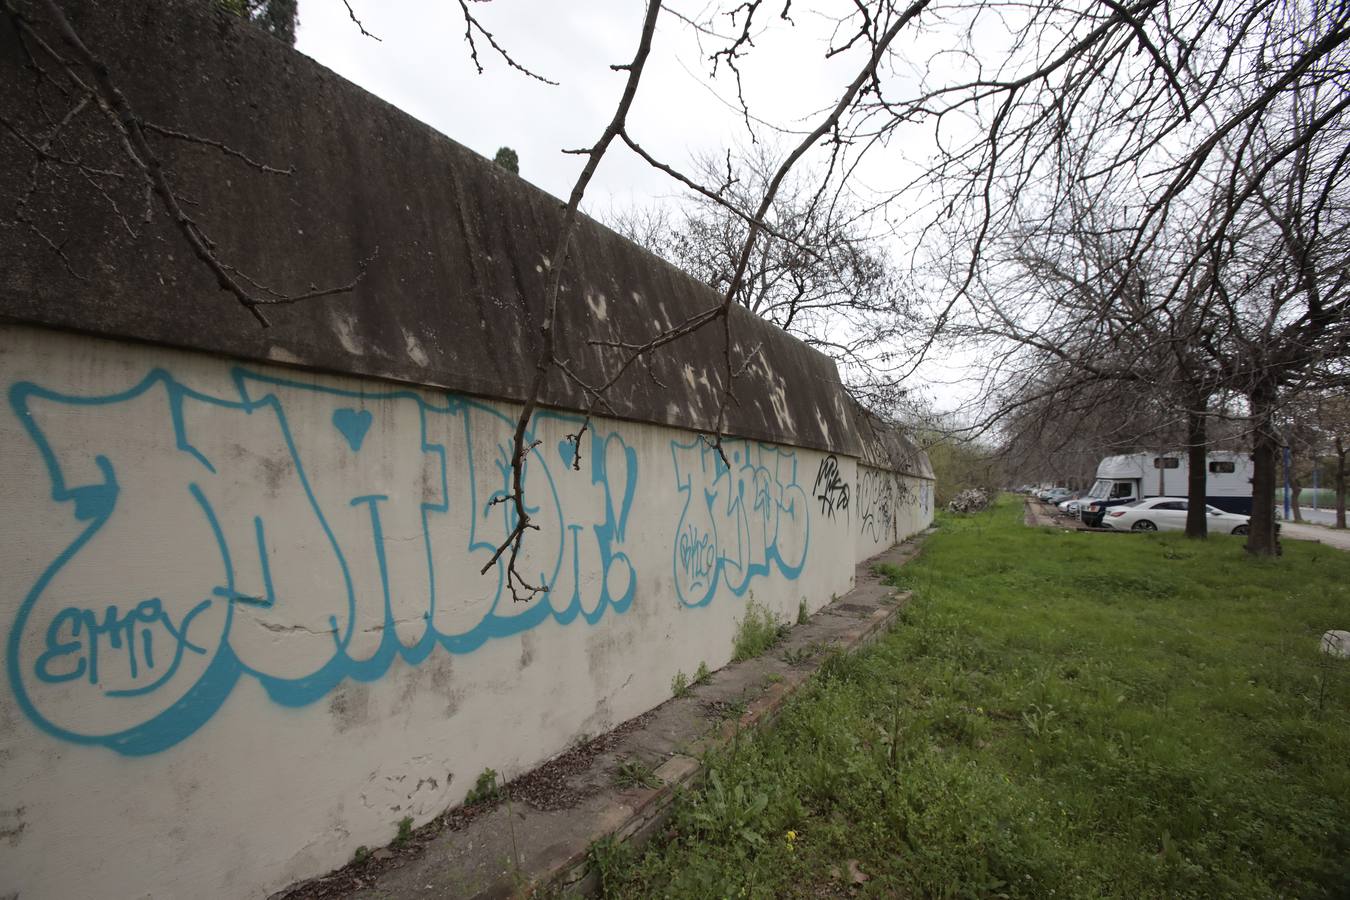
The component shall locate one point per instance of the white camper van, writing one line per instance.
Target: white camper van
(1138, 476)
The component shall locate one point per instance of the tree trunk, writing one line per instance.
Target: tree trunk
(1340, 482)
(1295, 489)
(1197, 519)
(1265, 471)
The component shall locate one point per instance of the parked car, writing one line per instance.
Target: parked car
(1069, 505)
(1169, 514)
(1055, 495)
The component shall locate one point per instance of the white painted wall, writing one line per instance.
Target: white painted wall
(887, 508)
(245, 631)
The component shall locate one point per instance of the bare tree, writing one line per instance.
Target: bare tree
(819, 272)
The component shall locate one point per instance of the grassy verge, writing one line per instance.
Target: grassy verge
(1070, 715)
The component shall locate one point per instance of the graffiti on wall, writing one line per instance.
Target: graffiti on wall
(830, 488)
(876, 504)
(295, 534)
(744, 517)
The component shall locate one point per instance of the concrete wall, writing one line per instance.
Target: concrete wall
(244, 626)
(246, 629)
(890, 507)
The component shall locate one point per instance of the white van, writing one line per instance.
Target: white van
(1138, 476)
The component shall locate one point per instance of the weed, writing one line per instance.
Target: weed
(734, 709)
(485, 789)
(802, 615)
(362, 854)
(405, 830)
(795, 656)
(701, 674)
(1038, 721)
(607, 857)
(758, 631)
(728, 814)
(839, 665)
(634, 773)
(679, 685)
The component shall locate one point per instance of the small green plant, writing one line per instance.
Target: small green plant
(728, 814)
(362, 854)
(405, 830)
(679, 685)
(1038, 721)
(757, 632)
(634, 773)
(484, 790)
(802, 615)
(773, 678)
(840, 666)
(701, 674)
(795, 656)
(734, 709)
(607, 858)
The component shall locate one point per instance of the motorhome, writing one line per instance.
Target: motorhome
(1138, 476)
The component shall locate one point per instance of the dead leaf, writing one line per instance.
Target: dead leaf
(856, 875)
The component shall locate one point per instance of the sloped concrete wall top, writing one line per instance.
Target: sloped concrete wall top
(460, 247)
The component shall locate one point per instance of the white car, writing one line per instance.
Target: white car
(1169, 514)
(1069, 507)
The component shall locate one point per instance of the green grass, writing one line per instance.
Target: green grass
(1066, 715)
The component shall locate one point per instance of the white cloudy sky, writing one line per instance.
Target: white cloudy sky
(421, 64)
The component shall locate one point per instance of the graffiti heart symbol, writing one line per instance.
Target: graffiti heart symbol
(353, 424)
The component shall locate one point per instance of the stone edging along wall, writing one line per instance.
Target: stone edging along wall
(245, 630)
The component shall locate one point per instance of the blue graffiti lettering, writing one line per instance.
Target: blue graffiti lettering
(697, 557)
(739, 520)
(250, 521)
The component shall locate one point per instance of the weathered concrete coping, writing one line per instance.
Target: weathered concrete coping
(518, 849)
(458, 248)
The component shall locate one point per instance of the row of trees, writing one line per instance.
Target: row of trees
(1203, 271)
(1144, 223)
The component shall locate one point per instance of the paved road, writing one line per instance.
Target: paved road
(1328, 536)
(1316, 516)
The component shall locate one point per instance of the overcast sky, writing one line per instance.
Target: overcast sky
(422, 65)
